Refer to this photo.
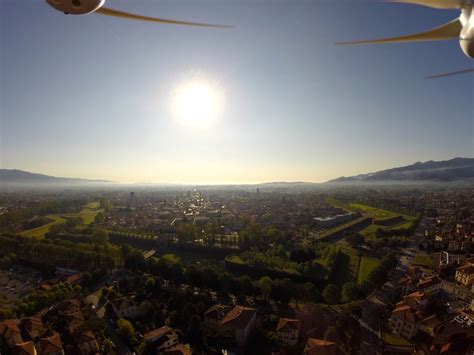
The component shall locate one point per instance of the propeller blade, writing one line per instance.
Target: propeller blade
(447, 31)
(114, 13)
(458, 72)
(435, 4)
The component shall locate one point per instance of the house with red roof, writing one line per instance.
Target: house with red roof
(160, 340)
(51, 345)
(242, 321)
(85, 342)
(319, 347)
(26, 348)
(10, 334)
(405, 320)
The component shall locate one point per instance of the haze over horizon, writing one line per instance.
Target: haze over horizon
(100, 98)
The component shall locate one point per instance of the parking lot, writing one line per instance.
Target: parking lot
(14, 285)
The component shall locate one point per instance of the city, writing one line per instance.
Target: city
(182, 270)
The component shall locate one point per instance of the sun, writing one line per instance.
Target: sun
(197, 102)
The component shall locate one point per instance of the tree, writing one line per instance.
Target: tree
(125, 328)
(311, 292)
(331, 294)
(355, 239)
(100, 236)
(350, 292)
(265, 285)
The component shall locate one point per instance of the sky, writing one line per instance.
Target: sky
(92, 96)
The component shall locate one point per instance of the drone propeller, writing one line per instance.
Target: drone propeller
(436, 4)
(110, 12)
(444, 32)
(458, 72)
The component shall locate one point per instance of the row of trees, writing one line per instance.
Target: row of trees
(59, 253)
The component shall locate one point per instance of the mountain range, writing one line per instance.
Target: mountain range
(457, 169)
(454, 170)
(20, 177)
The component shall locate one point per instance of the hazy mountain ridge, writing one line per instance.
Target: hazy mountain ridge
(14, 176)
(457, 169)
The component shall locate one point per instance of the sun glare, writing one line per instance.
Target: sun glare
(197, 102)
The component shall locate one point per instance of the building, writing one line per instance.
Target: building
(179, 349)
(10, 334)
(51, 345)
(328, 222)
(85, 343)
(33, 326)
(430, 285)
(217, 312)
(465, 274)
(26, 348)
(242, 320)
(288, 331)
(159, 340)
(405, 321)
(126, 308)
(416, 300)
(319, 347)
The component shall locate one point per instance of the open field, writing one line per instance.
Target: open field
(423, 259)
(39, 232)
(366, 266)
(87, 214)
(380, 215)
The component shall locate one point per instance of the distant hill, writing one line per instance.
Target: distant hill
(19, 178)
(457, 169)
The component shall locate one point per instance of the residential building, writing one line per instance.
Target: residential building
(51, 345)
(405, 321)
(430, 285)
(242, 320)
(126, 308)
(33, 326)
(319, 347)
(86, 343)
(160, 340)
(26, 348)
(288, 331)
(465, 275)
(216, 312)
(10, 334)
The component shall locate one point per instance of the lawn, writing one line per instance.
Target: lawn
(395, 339)
(39, 232)
(422, 259)
(365, 268)
(381, 215)
(171, 258)
(87, 214)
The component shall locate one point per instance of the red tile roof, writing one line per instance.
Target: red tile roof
(320, 347)
(26, 348)
(288, 323)
(239, 317)
(51, 344)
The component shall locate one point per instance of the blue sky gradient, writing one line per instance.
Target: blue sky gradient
(89, 96)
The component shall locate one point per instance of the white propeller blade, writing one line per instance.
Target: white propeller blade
(444, 32)
(458, 72)
(436, 4)
(110, 12)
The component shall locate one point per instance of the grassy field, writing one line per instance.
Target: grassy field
(395, 339)
(365, 268)
(87, 214)
(379, 214)
(171, 258)
(39, 232)
(422, 259)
